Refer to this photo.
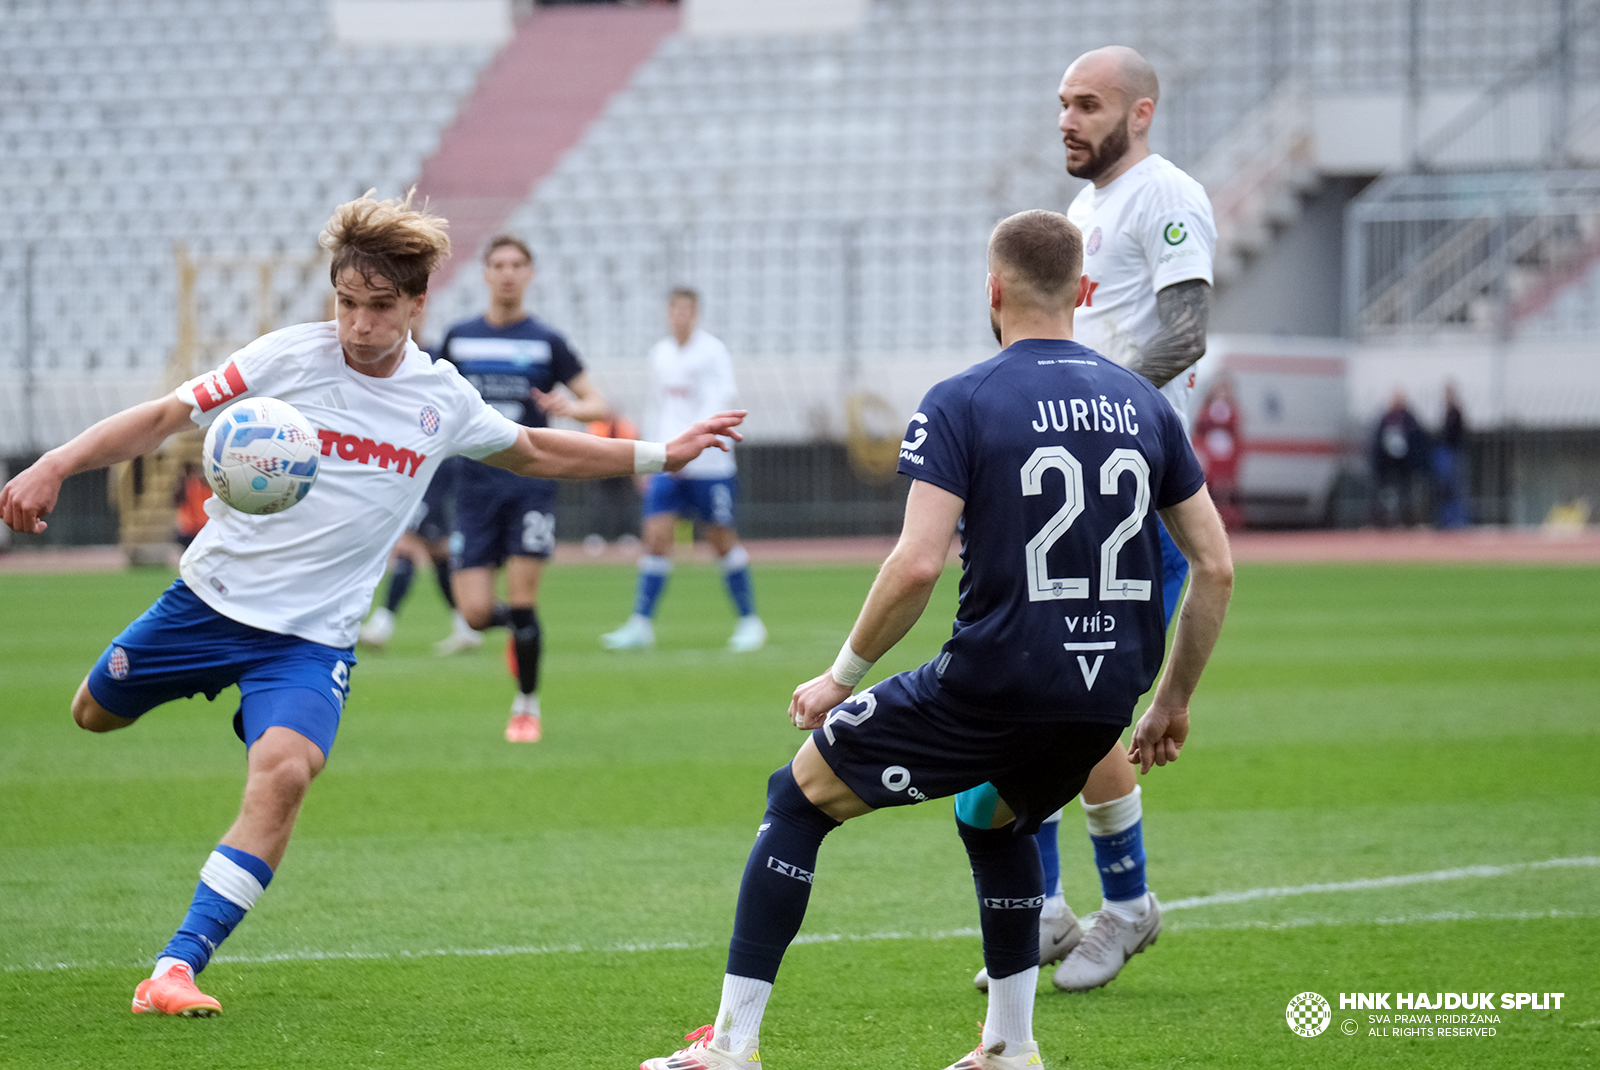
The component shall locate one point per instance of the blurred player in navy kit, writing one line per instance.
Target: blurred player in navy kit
(516, 363)
(1049, 460)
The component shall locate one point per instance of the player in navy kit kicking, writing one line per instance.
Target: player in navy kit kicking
(1050, 460)
(516, 363)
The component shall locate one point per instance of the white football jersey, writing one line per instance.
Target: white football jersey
(310, 570)
(690, 383)
(1150, 227)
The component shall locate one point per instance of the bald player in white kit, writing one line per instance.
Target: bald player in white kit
(1149, 239)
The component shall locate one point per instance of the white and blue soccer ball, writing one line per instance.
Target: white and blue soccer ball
(261, 455)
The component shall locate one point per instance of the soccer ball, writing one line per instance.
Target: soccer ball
(261, 455)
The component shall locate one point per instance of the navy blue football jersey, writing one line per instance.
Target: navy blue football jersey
(1062, 458)
(504, 364)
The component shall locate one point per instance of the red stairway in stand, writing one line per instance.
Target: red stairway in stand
(532, 103)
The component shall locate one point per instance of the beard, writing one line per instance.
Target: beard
(994, 325)
(1104, 156)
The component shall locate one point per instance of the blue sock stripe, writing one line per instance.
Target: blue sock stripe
(247, 861)
(651, 584)
(744, 599)
(1120, 859)
(207, 924)
(1050, 854)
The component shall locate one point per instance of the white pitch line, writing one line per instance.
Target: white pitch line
(1365, 884)
(1371, 883)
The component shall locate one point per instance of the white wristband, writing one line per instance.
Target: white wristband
(649, 457)
(849, 667)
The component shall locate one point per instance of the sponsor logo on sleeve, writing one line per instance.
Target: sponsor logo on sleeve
(1174, 233)
(222, 385)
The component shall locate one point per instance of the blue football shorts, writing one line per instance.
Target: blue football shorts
(501, 518)
(710, 500)
(898, 742)
(181, 647)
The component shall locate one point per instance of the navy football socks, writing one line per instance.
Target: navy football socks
(777, 880)
(399, 583)
(1010, 883)
(528, 641)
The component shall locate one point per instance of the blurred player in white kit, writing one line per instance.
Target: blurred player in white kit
(691, 375)
(273, 603)
(1148, 241)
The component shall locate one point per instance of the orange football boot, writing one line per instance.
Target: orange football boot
(174, 993)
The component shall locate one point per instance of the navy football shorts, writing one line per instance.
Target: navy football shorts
(503, 518)
(710, 500)
(432, 518)
(898, 743)
(181, 647)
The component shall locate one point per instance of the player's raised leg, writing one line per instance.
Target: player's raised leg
(805, 802)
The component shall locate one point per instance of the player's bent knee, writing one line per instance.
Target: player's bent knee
(90, 716)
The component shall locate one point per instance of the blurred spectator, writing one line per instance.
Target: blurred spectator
(1218, 445)
(189, 498)
(1399, 449)
(1448, 477)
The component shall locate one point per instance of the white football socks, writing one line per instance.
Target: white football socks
(744, 1001)
(1010, 1015)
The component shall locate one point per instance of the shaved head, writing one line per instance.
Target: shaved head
(1108, 98)
(1120, 69)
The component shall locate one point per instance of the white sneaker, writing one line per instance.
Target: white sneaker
(703, 1054)
(377, 629)
(1057, 936)
(1109, 941)
(999, 1056)
(637, 634)
(749, 634)
(461, 637)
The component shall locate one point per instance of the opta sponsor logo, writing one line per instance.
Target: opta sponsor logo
(224, 384)
(366, 451)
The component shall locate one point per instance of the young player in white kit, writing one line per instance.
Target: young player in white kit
(273, 603)
(691, 375)
(1148, 243)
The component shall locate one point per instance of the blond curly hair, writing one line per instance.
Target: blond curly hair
(391, 240)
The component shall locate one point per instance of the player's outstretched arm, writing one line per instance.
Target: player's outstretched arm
(550, 454)
(1198, 531)
(1184, 309)
(28, 499)
(897, 598)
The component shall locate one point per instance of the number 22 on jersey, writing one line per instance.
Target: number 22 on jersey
(1043, 587)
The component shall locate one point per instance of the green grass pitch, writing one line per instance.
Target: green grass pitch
(451, 900)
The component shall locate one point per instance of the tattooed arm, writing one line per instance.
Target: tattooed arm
(1184, 308)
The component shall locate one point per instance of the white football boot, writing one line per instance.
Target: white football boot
(749, 634)
(1000, 1056)
(703, 1053)
(637, 634)
(1057, 936)
(1109, 941)
(377, 629)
